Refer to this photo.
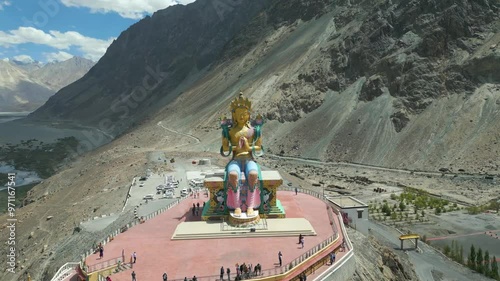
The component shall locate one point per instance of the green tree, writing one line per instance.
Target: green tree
(494, 269)
(455, 250)
(471, 261)
(461, 254)
(394, 216)
(402, 206)
(386, 210)
(458, 257)
(486, 265)
(447, 250)
(479, 261)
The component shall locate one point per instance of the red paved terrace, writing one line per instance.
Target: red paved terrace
(156, 253)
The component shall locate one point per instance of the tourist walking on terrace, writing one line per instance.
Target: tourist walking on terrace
(302, 242)
(296, 190)
(228, 272)
(300, 238)
(164, 276)
(101, 252)
(221, 273)
(280, 256)
(135, 256)
(133, 276)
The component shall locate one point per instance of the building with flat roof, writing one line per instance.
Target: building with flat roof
(353, 211)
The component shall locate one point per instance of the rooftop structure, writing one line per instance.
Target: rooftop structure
(347, 202)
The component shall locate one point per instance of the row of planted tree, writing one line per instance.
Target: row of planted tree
(478, 260)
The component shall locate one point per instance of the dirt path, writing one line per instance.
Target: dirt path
(179, 133)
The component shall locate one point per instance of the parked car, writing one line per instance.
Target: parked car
(149, 197)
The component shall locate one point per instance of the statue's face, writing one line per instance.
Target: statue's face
(241, 115)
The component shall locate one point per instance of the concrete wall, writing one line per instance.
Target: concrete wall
(353, 214)
(343, 272)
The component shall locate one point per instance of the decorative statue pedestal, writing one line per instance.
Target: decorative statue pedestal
(270, 206)
(243, 193)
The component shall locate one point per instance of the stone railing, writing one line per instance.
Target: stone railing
(346, 243)
(275, 270)
(65, 271)
(124, 228)
(104, 264)
(113, 234)
(346, 263)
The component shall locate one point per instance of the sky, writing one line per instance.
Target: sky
(57, 30)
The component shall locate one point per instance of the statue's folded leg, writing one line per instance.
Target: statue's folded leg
(233, 198)
(252, 173)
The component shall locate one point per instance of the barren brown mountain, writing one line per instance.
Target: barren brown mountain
(411, 84)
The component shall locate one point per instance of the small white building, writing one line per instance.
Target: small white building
(355, 210)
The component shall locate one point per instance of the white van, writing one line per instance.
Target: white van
(149, 197)
(184, 192)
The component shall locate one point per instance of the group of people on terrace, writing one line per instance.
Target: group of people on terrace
(243, 271)
(196, 209)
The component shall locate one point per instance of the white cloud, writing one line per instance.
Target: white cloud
(23, 59)
(59, 56)
(5, 59)
(125, 8)
(4, 3)
(92, 48)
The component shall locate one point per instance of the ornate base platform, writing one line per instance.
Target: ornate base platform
(265, 228)
(243, 219)
(270, 207)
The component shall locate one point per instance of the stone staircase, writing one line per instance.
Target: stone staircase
(274, 212)
(122, 267)
(214, 230)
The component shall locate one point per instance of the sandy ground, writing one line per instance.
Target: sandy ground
(97, 184)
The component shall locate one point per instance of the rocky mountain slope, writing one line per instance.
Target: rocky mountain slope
(57, 75)
(151, 63)
(409, 84)
(396, 83)
(357, 81)
(26, 86)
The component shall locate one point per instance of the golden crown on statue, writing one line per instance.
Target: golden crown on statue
(241, 102)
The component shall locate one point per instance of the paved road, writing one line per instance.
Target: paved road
(428, 263)
(365, 166)
(99, 224)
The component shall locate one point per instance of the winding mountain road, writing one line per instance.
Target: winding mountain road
(179, 133)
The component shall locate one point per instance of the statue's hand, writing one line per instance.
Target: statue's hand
(246, 145)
